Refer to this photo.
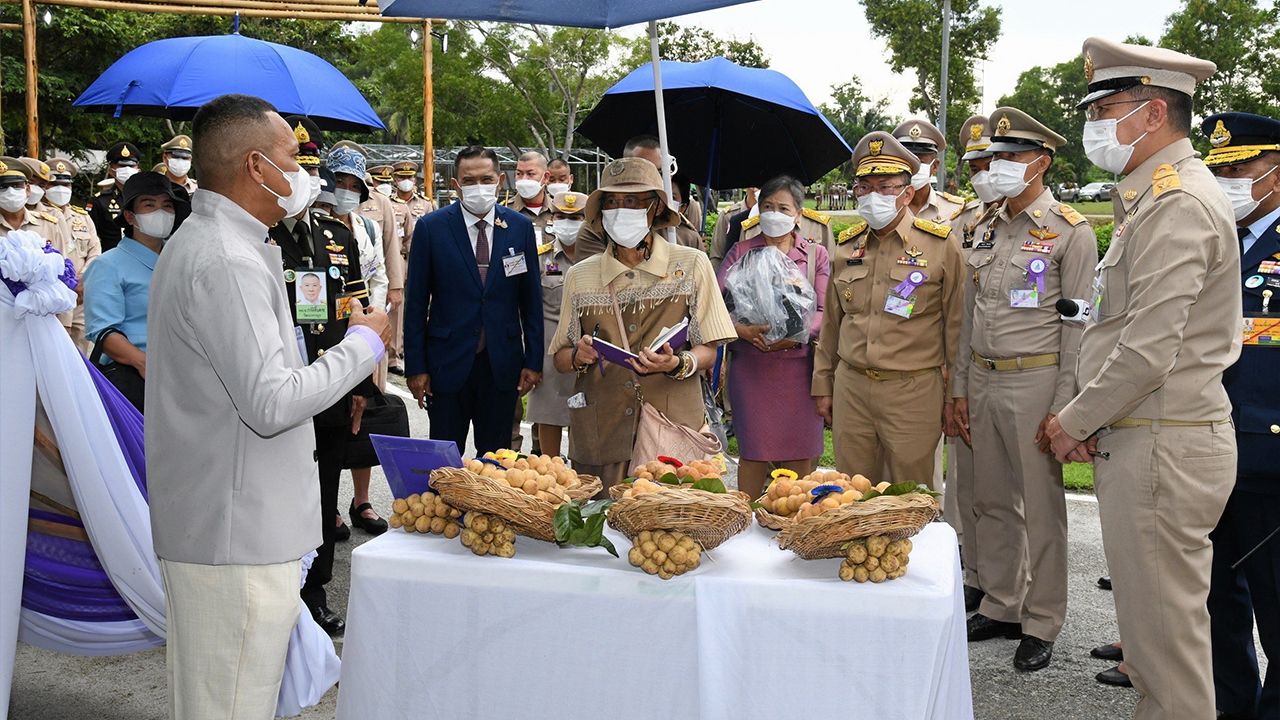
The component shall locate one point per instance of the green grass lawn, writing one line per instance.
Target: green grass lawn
(1077, 477)
(1093, 208)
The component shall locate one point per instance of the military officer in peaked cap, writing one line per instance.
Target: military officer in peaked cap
(84, 246)
(1017, 368)
(1245, 157)
(122, 164)
(892, 321)
(927, 143)
(1152, 413)
(177, 162)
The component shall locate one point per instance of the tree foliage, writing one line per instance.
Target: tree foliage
(1049, 94)
(1243, 38)
(854, 114)
(694, 44)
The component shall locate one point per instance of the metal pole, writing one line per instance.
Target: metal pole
(29, 52)
(428, 113)
(661, 108)
(942, 111)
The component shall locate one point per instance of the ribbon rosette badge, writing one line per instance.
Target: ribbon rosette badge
(1035, 273)
(908, 287)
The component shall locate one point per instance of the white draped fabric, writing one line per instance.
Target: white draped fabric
(38, 359)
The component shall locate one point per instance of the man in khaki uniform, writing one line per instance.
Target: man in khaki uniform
(927, 143)
(1166, 322)
(409, 205)
(177, 162)
(892, 321)
(84, 246)
(1017, 368)
(15, 215)
(975, 140)
(718, 249)
(530, 198)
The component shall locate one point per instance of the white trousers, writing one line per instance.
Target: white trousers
(228, 634)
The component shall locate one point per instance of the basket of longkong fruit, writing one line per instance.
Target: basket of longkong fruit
(833, 515)
(490, 500)
(673, 511)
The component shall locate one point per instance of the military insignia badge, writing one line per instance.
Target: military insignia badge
(301, 134)
(1129, 195)
(62, 167)
(499, 222)
(1003, 126)
(1041, 234)
(1220, 136)
(616, 168)
(915, 132)
(975, 131)
(1088, 67)
(874, 146)
(184, 144)
(124, 151)
(328, 234)
(914, 251)
(333, 247)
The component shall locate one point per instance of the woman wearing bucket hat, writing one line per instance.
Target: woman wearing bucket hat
(626, 296)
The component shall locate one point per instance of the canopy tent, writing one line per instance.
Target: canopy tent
(77, 569)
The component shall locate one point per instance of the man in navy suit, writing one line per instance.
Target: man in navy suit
(1245, 157)
(473, 311)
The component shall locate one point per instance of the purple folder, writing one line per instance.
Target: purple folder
(408, 462)
(677, 335)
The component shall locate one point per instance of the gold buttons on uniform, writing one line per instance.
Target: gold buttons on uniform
(1275, 429)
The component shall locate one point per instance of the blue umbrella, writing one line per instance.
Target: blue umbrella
(174, 77)
(730, 126)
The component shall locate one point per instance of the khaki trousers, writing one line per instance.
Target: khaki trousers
(957, 508)
(897, 420)
(1159, 495)
(228, 632)
(1020, 506)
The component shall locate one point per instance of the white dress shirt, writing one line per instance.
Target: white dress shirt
(1256, 229)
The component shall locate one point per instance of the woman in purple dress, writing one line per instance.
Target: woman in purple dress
(774, 417)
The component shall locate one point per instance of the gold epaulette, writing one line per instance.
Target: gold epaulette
(851, 232)
(48, 217)
(952, 198)
(1068, 213)
(78, 209)
(545, 248)
(965, 208)
(750, 222)
(816, 216)
(1165, 179)
(932, 227)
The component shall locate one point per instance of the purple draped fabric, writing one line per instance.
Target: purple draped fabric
(63, 577)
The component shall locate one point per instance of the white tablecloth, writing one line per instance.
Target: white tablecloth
(436, 632)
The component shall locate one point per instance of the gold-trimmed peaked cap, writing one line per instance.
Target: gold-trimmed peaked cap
(178, 146)
(1111, 67)
(1236, 137)
(405, 169)
(63, 168)
(920, 136)
(879, 153)
(12, 171)
(1014, 131)
(310, 140)
(569, 202)
(975, 138)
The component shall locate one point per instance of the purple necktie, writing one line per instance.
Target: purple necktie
(482, 251)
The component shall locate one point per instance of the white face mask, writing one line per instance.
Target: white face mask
(1240, 192)
(157, 223)
(13, 199)
(385, 188)
(879, 210)
(1007, 177)
(179, 167)
(315, 189)
(35, 194)
(627, 227)
(924, 176)
(479, 199)
(299, 189)
(125, 172)
(557, 188)
(776, 224)
(345, 201)
(566, 230)
(59, 195)
(405, 185)
(1102, 144)
(982, 185)
(528, 189)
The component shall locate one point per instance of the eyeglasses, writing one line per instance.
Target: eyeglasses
(1094, 112)
(861, 189)
(614, 201)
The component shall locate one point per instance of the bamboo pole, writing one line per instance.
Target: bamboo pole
(10, 26)
(143, 6)
(29, 53)
(428, 114)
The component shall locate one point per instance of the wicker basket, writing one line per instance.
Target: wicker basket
(770, 520)
(588, 487)
(708, 518)
(470, 492)
(824, 536)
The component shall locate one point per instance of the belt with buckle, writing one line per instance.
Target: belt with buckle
(878, 374)
(1134, 422)
(1026, 362)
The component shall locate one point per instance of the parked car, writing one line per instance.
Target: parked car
(1069, 193)
(1094, 192)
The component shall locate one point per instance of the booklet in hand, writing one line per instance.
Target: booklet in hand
(677, 335)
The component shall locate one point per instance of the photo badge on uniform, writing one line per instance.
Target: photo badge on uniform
(902, 301)
(311, 301)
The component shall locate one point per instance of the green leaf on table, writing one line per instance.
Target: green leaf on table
(756, 504)
(568, 516)
(669, 479)
(583, 525)
(711, 485)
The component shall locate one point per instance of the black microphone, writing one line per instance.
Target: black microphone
(1074, 310)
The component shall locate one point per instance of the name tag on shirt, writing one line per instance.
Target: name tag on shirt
(513, 265)
(902, 307)
(1024, 298)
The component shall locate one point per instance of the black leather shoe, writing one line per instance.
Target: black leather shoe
(1032, 654)
(328, 620)
(1110, 653)
(1114, 677)
(1104, 582)
(972, 598)
(982, 627)
(341, 532)
(376, 526)
(395, 370)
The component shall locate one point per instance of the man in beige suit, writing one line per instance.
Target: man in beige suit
(1016, 368)
(233, 486)
(1152, 412)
